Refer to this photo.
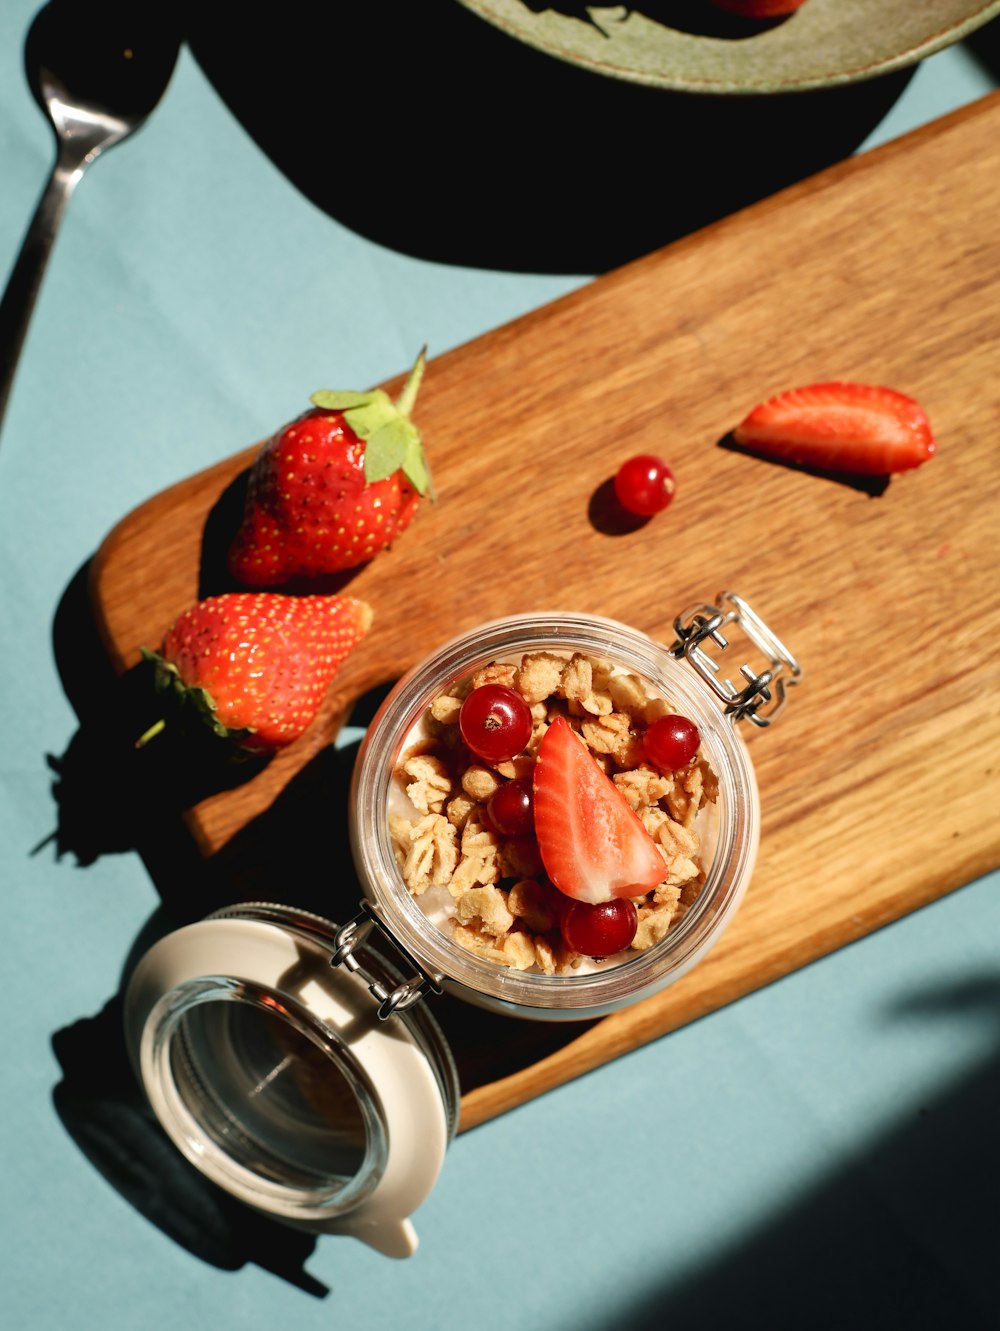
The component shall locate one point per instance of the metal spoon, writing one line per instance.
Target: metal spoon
(97, 70)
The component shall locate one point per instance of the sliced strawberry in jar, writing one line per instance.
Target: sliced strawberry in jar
(842, 427)
(592, 844)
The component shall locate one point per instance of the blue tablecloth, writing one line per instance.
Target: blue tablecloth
(821, 1154)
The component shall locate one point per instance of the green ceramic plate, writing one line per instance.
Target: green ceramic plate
(690, 46)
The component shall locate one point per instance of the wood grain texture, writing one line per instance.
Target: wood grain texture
(880, 784)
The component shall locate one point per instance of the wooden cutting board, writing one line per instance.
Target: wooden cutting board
(881, 782)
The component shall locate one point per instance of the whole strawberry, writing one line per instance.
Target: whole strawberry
(256, 665)
(332, 488)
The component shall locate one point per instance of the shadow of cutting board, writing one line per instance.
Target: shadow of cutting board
(881, 782)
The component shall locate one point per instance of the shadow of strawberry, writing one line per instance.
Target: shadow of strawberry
(217, 535)
(111, 796)
(220, 528)
(873, 486)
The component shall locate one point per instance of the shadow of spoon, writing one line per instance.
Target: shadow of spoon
(97, 71)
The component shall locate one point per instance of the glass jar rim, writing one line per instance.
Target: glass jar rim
(496, 984)
(185, 1105)
(267, 962)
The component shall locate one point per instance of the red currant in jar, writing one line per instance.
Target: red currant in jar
(524, 857)
(600, 930)
(495, 722)
(644, 485)
(511, 808)
(671, 742)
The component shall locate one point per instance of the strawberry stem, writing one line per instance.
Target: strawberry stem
(151, 733)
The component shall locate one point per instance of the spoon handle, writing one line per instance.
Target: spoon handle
(29, 268)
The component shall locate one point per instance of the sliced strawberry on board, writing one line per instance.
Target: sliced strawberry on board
(592, 844)
(854, 428)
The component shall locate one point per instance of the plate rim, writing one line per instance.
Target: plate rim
(954, 32)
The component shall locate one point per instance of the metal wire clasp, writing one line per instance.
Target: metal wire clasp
(764, 694)
(405, 994)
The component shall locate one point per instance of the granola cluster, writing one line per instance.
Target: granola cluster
(490, 890)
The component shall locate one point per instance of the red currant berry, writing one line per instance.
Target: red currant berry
(602, 929)
(495, 722)
(671, 742)
(511, 808)
(524, 852)
(644, 485)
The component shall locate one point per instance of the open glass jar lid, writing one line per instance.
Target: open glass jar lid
(273, 1074)
(298, 1068)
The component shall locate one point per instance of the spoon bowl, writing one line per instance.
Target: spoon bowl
(97, 71)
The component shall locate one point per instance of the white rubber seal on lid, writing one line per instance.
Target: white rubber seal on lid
(253, 1052)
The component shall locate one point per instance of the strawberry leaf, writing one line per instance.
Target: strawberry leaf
(366, 420)
(415, 467)
(188, 698)
(331, 400)
(392, 441)
(387, 449)
(411, 388)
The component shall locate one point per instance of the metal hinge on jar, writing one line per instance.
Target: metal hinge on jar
(764, 694)
(407, 992)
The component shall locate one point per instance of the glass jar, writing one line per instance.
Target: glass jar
(299, 1069)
